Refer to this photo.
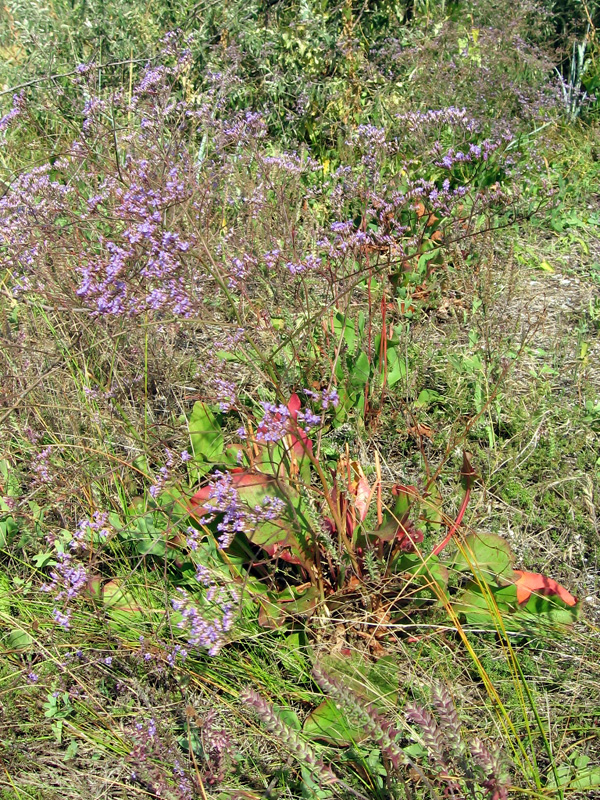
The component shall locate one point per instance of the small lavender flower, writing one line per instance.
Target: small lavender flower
(274, 425)
(160, 482)
(329, 397)
(226, 394)
(288, 737)
(41, 466)
(207, 629)
(224, 499)
(99, 524)
(69, 576)
(17, 109)
(62, 619)
(310, 420)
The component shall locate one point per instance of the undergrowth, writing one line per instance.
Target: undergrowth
(300, 408)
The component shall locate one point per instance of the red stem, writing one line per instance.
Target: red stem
(438, 549)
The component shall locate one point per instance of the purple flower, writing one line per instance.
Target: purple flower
(17, 109)
(309, 419)
(159, 483)
(206, 629)
(274, 424)
(226, 394)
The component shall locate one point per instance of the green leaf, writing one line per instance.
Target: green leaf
(328, 723)
(539, 614)
(42, 559)
(271, 615)
(431, 570)
(575, 777)
(289, 717)
(427, 397)
(8, 531)
(426, 258)
(432, 511)
(378, 682)
(361, 370)
(383, 679)
(344, 329)
(477, 609)
(361, 323)
(312, 788)
(486, 554)
(71, 750)
(18, 640)
(396, 367)
(550, 610)
(206, 436)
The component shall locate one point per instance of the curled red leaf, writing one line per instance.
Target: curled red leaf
(530, 582)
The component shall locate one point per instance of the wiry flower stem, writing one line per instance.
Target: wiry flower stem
(491, 765)
(288, 736)
(378, 728)
(448, 716)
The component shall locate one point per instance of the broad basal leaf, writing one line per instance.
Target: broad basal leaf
(486, 554)
(206, 436)
(328, 723)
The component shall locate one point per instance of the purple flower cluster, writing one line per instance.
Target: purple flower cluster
(86, 528)
(17, 109)
(206, 628)
(450, 116)
(224, 500)
(292, 163)
(308, 264)
(274, 425)
(325, 398)
(160, 482)
(226, 393)
(239, 270)
(41, 466)
(475, 152)
(69, 578)
(163, 476)
(147, 250)
(235, 516)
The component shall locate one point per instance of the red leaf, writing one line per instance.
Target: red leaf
(294, 406)
(283, 551)
(529, 582)
(408, 537)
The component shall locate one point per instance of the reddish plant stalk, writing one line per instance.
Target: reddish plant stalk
(468, 474)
